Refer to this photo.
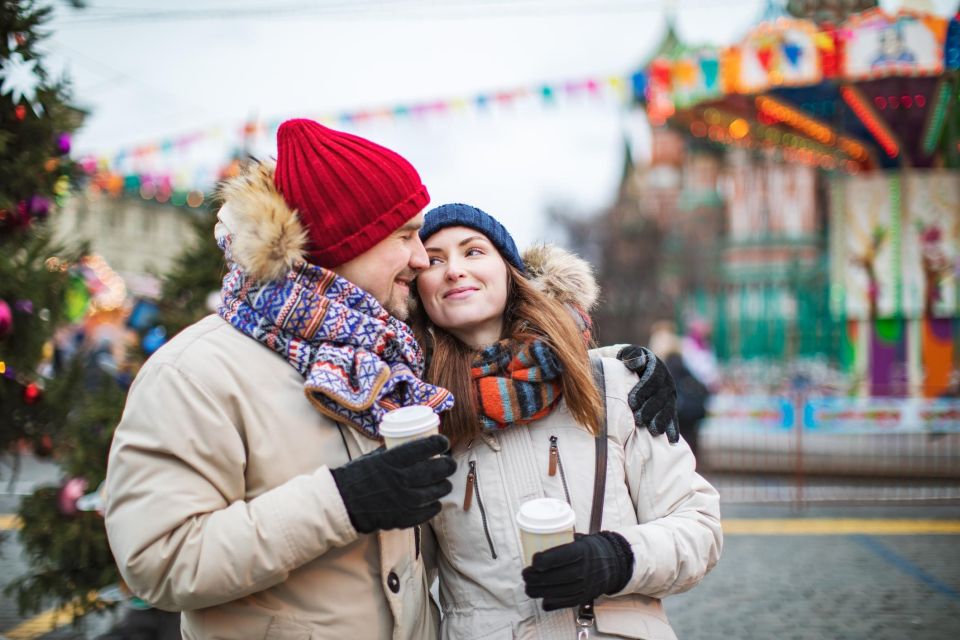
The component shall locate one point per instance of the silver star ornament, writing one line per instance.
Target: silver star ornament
(20, 80)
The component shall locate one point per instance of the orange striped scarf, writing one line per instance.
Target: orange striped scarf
(517, 383)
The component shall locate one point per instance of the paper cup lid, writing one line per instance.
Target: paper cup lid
(545, 515)
(408, 421)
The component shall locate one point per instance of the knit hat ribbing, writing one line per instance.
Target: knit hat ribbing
(463, 215)
(349, 192)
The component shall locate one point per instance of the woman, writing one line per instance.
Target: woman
(499, 333)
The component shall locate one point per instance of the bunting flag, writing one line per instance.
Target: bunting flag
(154, 170)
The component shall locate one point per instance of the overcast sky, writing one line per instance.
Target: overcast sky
(150, 70)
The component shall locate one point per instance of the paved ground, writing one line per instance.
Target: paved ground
(775, 586)
(816, 587)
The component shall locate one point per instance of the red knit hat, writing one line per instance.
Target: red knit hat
(348, 192)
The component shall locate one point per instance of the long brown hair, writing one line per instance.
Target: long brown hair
(529, 314)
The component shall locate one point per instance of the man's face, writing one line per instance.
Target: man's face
(386, 270)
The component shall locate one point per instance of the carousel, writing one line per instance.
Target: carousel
(842, 182)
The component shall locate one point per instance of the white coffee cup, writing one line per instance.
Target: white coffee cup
(408, 423)
(544, 523)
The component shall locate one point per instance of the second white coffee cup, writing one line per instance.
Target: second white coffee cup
(544, 523)
(408, 423)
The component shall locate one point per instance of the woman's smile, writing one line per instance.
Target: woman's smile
(459, 293)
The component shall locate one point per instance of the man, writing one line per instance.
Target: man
(232, 495)
(245, 484)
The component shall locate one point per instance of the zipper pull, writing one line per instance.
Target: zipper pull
(471, 480)
(554, 456)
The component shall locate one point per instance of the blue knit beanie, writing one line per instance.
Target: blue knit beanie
(463, 215)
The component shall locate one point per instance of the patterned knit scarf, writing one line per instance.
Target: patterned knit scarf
(357, 360)
(516, 383)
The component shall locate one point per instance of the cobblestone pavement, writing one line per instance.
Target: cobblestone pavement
(766, 587)
(828, 587)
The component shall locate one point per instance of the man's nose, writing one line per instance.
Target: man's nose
(418, 258)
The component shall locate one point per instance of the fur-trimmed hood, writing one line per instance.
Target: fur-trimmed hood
(562, 275)
(267, 236)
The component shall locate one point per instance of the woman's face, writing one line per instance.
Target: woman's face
(464, 290)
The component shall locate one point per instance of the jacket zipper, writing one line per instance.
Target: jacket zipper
(473, 491)
(557, 463)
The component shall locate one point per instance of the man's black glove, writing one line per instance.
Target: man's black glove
(576, 573)
(396, 488)
(653, 400)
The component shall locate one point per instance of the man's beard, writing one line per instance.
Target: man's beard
(398, 307)
(398, 304)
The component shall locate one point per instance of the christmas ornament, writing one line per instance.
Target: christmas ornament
(154, 339)
(31, 393)
(3, 367)
(6, 319)
(143, 315)
(24, 306)
(20, 112)
(61, 186)
(63, 143)
(20, 80)
(76, 298)
(38, 206)
(72, 490)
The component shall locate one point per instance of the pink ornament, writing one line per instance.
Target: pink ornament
(6, 319)
(71, 491)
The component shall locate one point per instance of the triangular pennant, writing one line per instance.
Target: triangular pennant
(765, 55)
(792, 51)
(709, 67)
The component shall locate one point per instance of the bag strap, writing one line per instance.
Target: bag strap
(585, 614)
(600, 472)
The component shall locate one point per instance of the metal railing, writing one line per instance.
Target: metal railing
(800, 449)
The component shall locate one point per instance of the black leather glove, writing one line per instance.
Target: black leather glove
(576, 573)
(396, 488)
(653, 400)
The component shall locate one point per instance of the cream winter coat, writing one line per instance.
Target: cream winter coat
(654, 498)
(221, 501)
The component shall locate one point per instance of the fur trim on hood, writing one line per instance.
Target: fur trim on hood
(268, 238)
(562, 275)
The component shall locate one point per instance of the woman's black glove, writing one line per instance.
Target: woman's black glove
(575, 573)
(396, 488)
(653, 400)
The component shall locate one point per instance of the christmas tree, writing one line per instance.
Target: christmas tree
(60, 405)
(196, 273)
(36, 122)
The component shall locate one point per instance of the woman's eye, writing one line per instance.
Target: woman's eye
(434, 261)
(474, 252)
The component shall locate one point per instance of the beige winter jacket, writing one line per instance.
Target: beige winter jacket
(653, 497)
(221, 501)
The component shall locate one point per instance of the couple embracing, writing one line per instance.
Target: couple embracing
(247, 485)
